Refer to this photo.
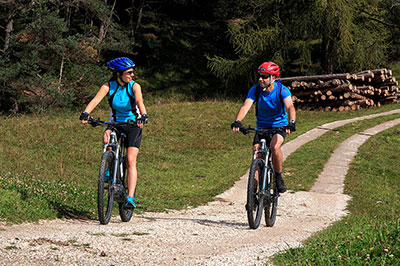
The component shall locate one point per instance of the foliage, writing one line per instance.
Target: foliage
(53, 53)
(304, 37)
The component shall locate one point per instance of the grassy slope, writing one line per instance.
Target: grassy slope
(370, 234)
(49, 163)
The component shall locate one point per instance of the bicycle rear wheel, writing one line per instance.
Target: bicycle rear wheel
(254, 204)
(271, 203)
(105, 192)
(125, 214)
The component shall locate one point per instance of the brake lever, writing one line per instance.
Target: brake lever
(94, 122)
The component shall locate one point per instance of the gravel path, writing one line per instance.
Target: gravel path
(214, 234)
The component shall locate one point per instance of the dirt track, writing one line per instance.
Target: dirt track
(214, 234)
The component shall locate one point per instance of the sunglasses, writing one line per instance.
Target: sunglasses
(129, 72)
(263, 76)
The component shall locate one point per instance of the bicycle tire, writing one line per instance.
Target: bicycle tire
(271, 204)
(105, 194)
(254, 204)
(125, 214)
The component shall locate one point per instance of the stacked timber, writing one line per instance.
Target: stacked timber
(338, 92)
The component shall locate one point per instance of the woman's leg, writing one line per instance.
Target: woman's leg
(106, 136)
(132, 153)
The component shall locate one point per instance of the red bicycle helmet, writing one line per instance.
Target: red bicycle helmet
(269, 68)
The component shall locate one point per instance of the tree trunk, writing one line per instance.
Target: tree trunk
(316, 78)
(102, 28)
(139, 18)
(9, 30)
(104, 25)
(61, 71)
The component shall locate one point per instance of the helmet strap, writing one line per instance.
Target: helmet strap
(119, 79)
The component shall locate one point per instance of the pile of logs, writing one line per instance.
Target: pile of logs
(338, 92)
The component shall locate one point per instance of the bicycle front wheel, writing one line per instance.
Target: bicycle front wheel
(105, 191)
(271, 204)
(254, 204)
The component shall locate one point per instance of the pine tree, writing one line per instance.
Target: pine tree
(303, 37)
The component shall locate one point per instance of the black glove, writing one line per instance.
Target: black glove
(84, 116)
(292, 126)
(144, 119)
(245, 130)
(237, 123)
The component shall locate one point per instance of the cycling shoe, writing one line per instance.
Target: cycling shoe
(130, 203)
(107, 175)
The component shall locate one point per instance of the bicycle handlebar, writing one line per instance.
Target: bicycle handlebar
(265, 131)
(96, 122)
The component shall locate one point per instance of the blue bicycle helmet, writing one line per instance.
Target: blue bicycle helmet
(121, 63)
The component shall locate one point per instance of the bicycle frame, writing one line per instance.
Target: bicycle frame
(118, 150)
(266, 157)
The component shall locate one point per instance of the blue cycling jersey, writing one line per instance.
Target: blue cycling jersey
(271, 110)
(123, 102)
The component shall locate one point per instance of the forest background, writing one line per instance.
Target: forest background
(53, 52)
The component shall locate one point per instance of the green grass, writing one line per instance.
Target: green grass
(370, 235)
(395, 67)
(49, 163)
(303, 167)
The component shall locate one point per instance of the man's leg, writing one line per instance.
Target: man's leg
(277, 159)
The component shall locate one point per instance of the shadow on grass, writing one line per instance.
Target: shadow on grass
(69, 212)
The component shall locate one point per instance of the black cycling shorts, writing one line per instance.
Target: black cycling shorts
(133, 136)
(258, 137)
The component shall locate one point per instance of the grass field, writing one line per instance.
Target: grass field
(49, 166)
(370, 234)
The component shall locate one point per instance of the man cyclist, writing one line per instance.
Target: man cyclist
(274, 106)
(126, 102)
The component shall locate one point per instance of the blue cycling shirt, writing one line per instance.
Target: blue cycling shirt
(122, 106)
(271, 110)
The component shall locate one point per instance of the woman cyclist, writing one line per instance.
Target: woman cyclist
(126, 102)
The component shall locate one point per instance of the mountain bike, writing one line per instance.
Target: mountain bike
(262, 193)
(112, 183)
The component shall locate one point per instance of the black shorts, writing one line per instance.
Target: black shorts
(258, 137)
(133, 136)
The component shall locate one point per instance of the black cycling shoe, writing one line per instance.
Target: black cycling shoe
(280, 184)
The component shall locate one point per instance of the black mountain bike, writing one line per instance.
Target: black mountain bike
(262, 193)
(112, 184)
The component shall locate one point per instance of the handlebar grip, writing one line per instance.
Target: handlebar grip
(244, 130)
(93, 122)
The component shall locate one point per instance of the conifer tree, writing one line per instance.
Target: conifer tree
(303, 37)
